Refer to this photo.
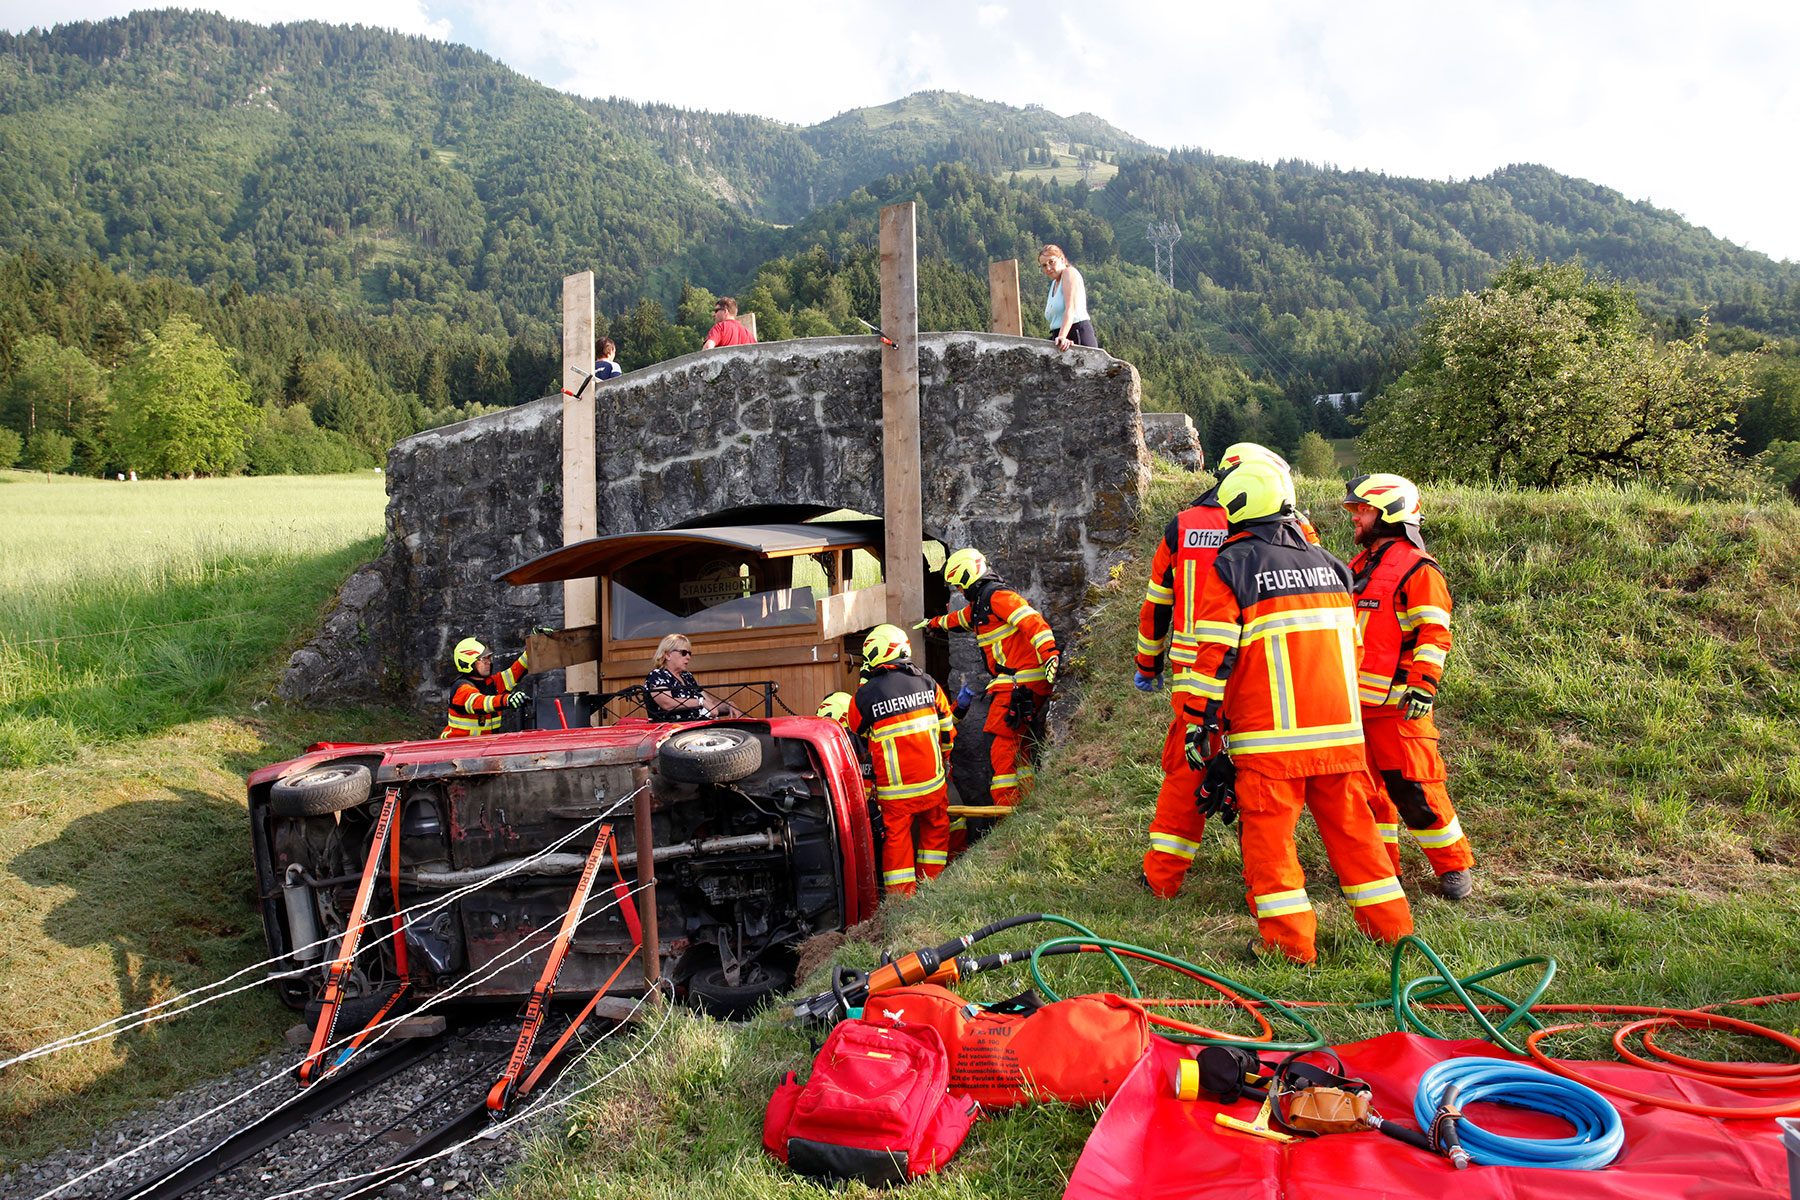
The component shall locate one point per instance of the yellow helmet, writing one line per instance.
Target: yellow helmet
(885, 644)
(836, 706)
(1253, 489)
(468, 653)
(1243, 452)
(965, 567)
(1393, 496)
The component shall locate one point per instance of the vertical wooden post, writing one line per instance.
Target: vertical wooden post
(1003, 298)
(580, 481)
(646, 872)
(748, 321)
(904, 569)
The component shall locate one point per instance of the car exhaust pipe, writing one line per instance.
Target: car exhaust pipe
(572, 864)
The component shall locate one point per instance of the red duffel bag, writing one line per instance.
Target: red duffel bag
(1077, 1050)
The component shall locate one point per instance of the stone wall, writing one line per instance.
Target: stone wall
(1034, 455)
(1173, 436)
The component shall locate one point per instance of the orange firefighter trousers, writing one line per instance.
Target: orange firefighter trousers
(1409, 786)
(1176, 828)
(1341, 805)
(903, 864)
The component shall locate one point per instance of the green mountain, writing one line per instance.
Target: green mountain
(433, 198)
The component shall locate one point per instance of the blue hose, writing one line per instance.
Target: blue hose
(1599, 1134)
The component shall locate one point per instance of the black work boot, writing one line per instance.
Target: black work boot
(1455, 885)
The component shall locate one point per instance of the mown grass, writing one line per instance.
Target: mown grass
(125, 874)
(127, 608)
(1619, 718)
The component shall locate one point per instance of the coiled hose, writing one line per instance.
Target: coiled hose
(1599, 1133)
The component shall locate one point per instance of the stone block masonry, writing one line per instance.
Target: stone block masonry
(1034, 455)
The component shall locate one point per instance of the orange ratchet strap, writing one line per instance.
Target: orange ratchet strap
(501, 1094)
(309, 1072)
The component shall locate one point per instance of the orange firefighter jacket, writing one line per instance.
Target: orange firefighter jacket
(1012, 635)
(475, 711)
(1403, 615)
(1277, 653)
(907, 721)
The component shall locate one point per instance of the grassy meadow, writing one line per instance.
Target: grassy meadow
(142, 629)
(1620, 716)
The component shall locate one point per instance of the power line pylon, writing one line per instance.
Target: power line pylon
(1162, 236)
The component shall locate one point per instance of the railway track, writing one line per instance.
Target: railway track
(376, 1127)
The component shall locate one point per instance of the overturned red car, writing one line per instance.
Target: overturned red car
(760, 838)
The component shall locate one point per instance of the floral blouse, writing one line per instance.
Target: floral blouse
(682, 687)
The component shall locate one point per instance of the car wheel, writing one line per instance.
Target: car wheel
(756, 982)
(713, 754)
(321, 791)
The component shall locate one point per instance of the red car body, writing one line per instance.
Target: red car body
(761, 839)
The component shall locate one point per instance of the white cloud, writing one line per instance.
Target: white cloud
(1689, 108)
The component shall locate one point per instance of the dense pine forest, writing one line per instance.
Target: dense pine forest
(369, 230)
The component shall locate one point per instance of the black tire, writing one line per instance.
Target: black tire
(712, 754)
(321, 791)
(757, 982)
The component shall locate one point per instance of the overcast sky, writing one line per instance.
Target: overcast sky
(1693, 107)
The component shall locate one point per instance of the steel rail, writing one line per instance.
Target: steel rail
(299, 1112)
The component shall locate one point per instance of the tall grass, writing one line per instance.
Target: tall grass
(1619, 715)
(140, 625)
(127, 607)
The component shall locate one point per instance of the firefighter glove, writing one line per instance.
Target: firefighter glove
(1202, 740)
(925, 624)
(1051, 666)
(516, 699)
(1217, 794)
(543, 630)
(1021, 709)
(1148, 683)
(964, 698)
(1416, 702)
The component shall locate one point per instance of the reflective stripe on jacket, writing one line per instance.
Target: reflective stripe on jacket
(1403, 615)
(1277, 653)
(908, 723)
(474, 711)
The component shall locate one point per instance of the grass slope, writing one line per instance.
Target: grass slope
(140, 628)
(1619, 716)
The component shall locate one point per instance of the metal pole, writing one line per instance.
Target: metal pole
(646, 873)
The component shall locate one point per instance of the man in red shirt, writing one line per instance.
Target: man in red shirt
(728, 331)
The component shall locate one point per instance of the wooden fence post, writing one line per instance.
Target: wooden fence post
(1003, 298)
(904, 569)
(580, 482)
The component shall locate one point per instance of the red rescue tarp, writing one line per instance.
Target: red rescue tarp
(1151, 1146)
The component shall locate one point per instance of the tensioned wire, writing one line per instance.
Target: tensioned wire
(494, 966)
(115, 1025)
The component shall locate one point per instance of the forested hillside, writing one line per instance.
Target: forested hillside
(350, 210)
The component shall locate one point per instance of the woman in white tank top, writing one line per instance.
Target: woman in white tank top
(1066, 309)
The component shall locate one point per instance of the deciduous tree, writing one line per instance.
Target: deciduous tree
(182, 408)
(1547, 376)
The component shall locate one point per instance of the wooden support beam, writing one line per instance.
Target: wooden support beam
(580, 481)
(748, 321)
(1003, 298)
(904, 567)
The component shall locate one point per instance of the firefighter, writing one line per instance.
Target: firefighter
(1166, 627)
(476, 704)
(904, 716)
(1403, 614)
(1021, 655)
(1280, 727)
(836, 706)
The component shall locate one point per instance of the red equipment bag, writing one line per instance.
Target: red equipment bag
(877, 1107)
(1077, 1050)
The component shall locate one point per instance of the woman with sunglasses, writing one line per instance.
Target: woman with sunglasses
(672, 694)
